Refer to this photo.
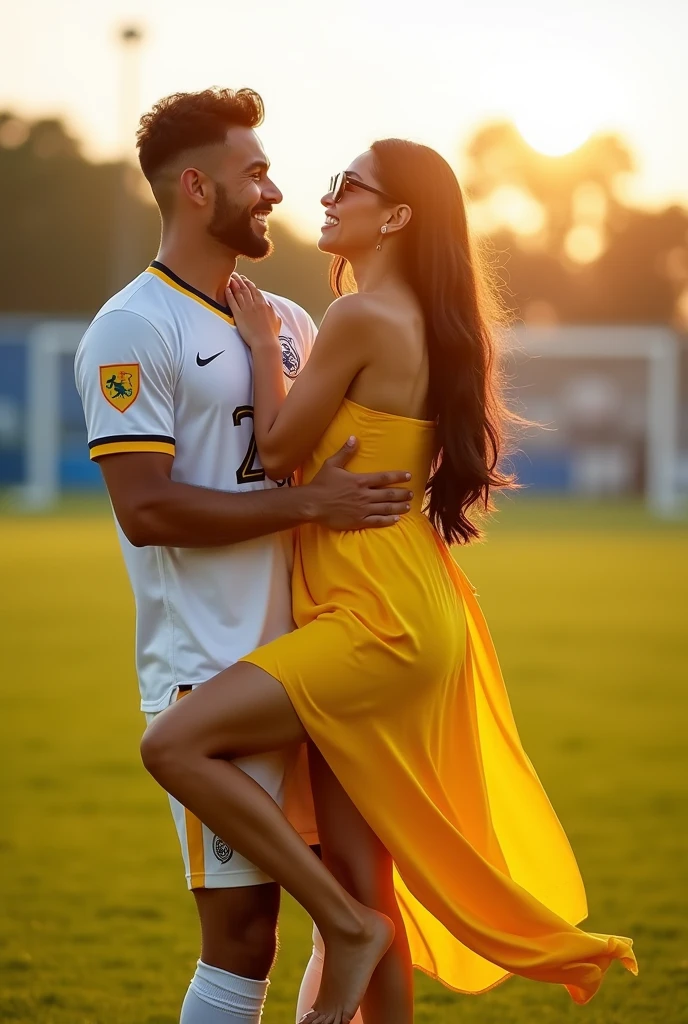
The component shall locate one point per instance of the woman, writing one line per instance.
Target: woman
(429, 811)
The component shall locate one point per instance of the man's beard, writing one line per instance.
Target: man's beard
(232, 226)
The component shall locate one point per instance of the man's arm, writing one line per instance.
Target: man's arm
(153, 509)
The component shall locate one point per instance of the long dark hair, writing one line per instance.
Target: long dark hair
(461, 311)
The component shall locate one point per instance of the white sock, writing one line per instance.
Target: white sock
(311, 980)
(218, 997)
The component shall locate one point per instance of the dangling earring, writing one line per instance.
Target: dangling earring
(383, 230)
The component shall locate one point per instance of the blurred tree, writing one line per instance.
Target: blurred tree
(57, 211)
(576, 252)
(62, 250)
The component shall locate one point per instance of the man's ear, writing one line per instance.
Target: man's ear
(196, 186)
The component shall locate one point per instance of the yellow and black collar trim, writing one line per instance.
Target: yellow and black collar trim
(159, 269)
(117, 444)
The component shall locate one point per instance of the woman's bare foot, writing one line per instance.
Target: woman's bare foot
(350, 959)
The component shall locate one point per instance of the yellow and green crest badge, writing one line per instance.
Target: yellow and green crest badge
(120, 384)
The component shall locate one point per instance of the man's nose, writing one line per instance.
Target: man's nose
(271, 194)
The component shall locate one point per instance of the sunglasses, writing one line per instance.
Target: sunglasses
(340, 182)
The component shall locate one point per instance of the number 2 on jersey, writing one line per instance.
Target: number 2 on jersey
(248, 472)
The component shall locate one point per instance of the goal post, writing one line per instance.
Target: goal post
(658, 348)
(47, 344)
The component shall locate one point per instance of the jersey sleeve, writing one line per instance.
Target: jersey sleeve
(297, 335)
(308, 332)
(125, 375)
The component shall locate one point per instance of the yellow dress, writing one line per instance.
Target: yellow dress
(394, 676)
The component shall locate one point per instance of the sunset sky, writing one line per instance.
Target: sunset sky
(336, 75)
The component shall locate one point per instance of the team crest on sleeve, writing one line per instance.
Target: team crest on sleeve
(291, 360)
(120, 384)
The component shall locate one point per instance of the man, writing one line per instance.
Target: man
(166, 385)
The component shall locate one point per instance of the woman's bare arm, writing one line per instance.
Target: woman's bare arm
(289, 426)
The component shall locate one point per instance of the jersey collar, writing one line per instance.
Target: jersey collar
(159, 269)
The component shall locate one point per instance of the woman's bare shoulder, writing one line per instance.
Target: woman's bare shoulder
(363, 310)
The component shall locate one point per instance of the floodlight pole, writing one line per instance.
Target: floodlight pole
(125, 227)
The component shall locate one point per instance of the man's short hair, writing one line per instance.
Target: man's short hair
(189, 120)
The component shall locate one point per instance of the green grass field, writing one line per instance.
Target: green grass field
(588, 610)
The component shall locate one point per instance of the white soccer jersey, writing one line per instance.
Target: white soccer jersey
(162, 368)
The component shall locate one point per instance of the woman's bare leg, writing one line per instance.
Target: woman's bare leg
(187, 749)
(357, 859)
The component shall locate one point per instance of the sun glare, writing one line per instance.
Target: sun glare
(560, 102)
(552, 132)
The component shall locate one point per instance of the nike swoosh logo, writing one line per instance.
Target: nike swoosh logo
(204, 362)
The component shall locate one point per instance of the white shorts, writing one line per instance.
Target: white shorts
(209, 862)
